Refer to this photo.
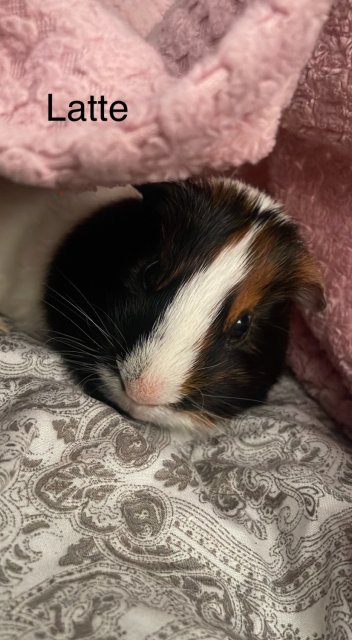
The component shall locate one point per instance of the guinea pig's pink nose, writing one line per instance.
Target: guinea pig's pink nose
(144, 390)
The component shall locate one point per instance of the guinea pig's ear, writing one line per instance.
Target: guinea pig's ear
(309, 290)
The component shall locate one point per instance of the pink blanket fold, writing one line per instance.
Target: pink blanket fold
(206, 83)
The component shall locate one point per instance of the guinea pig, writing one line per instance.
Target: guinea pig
(173, 305)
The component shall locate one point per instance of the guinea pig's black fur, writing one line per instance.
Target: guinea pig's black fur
(174, 307)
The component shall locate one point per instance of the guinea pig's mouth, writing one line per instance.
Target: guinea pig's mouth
(163, 415)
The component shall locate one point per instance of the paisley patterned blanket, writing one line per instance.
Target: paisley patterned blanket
(110, 530)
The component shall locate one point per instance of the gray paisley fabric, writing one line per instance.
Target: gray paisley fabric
(111, 530)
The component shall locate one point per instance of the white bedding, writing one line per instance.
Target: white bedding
(110, 530)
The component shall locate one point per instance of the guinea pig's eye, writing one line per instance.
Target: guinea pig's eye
(241, 326)
(150, 274)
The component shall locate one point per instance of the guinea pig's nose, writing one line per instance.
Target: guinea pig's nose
(144, 390)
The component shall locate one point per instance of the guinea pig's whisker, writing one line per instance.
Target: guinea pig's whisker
(95, 310)
(205, 414)
(68, 339)
(70, 320)
(77, 348)
(91, 377)
(73, 349)
(201, 408)
(193, 402)
(73, 353)
(202, 394)
(276, 326)
(209, 395)
(197, 406)
(82, 369)
(85, 315)
(83, 296)
(263, 307)
(211, 366)
(74, 357)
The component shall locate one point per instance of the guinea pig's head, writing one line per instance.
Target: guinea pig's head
(180, 299)
(204, 326)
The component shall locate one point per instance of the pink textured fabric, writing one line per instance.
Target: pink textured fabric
(310, 171)
(221, 108)
(314, 182)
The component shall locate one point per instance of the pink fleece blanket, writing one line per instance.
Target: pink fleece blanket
(206, 83)
(205, 86)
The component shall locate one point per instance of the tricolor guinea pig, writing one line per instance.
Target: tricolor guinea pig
(173, 304)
